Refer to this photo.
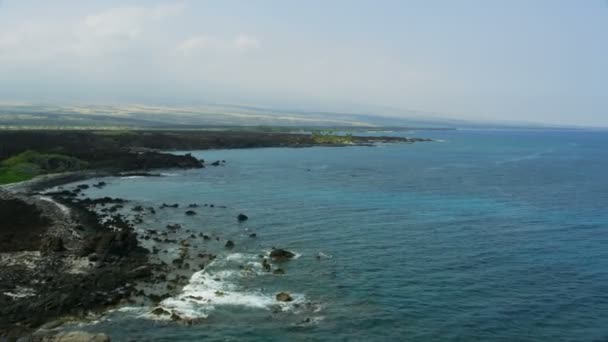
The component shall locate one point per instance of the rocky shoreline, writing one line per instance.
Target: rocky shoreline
(67, 257)
(83, 256)
(61, 260)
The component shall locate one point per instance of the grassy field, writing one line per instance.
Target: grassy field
(330, 138)
(29, 164)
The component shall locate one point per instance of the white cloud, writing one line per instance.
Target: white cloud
(9, 40)
(195, 44)
(207, 44)
(128, 22)
(245, 42)
(47, 40)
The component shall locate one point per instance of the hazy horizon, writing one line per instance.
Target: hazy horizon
(541, 62)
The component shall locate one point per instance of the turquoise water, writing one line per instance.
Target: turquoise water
(484, 235)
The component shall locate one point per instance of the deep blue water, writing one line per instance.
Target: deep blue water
(486, 235)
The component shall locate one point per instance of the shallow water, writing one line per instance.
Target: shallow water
(486, 235)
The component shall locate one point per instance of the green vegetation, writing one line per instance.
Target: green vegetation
(29, 164)
(329, 137)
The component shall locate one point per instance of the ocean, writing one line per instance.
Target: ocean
(480, 235)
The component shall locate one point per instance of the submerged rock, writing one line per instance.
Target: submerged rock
(242, 217)
(284, 297)
(229, 244)
(160, 312)
(174, 226)
(281, 254)
(190, 212)
(100, 185)
(278, 271)
(266, 265)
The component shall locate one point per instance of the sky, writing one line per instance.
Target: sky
(508, 60)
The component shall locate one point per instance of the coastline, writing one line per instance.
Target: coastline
(89, 258)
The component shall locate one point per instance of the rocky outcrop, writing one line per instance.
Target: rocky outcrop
(63, 261)
(284, 297)
(281, 254)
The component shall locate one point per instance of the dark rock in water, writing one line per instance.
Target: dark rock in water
(242, 217)
(193, 205)
(93, 257)
(211, 205)
(100, 185)
(138, 208)
(229, 244)
(50, 245)
(252, 235)
(82, 186)
(278, 271)
(216, 163)
(190, 212)
(281, 254)
(174, 226)
(160, 312)
(223, 161)
(284, 297)
(206, 237)
(165, 205)
(266, 265)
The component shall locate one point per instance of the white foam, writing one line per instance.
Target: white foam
(205, 292)
(131, 177)
(239, 257)
(322, 255)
